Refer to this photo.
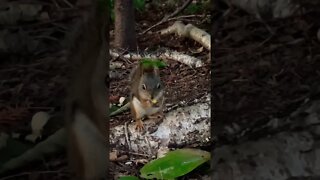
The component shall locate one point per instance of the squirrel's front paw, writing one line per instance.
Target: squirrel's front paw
(139, 125)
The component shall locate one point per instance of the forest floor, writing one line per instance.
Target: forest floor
(183, 85)
(263, 70)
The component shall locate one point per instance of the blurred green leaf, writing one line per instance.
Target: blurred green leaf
(194, 8)
(103, 4)
(111, 9)
(112, 16)
(128, 178)
(139, 4)
(13, 149)
(174, 164)
(152, 62)
(113, 108)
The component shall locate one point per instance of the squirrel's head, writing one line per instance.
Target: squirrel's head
(150, 86)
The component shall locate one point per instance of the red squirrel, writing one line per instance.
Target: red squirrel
(147, 93)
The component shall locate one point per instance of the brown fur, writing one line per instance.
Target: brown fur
(144, 97)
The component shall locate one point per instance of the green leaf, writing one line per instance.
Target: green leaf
(128, 178)
(111, 10)
(113, 108)
(174, 164)
(152, 62)
(160, 64)
(112, 16)
(194, 8)
(139, 4)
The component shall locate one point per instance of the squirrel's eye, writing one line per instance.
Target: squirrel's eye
(144, 87)
(158, 85)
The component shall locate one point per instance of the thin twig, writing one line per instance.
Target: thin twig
(183, 7)
(28, 173)
(149, 145)
(165, 19)
(137, 154)
(187, 16)
(68, 3)
(126, 134)
(55, 3)
(47, 37)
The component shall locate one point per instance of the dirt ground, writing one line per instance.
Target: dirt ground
(263, 70)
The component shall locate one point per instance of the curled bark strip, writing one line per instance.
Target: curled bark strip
(189, 31)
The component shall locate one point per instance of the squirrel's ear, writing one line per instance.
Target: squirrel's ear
(140, 64)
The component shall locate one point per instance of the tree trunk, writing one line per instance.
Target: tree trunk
(86, 105)
(125, 35)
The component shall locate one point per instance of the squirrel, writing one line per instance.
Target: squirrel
(147, 93)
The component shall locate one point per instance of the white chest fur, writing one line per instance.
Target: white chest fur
(144, 111)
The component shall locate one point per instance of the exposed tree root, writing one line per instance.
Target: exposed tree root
(166, 54)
